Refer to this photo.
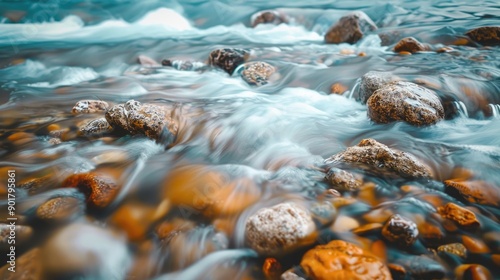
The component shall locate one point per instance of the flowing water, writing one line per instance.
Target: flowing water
(265, 144)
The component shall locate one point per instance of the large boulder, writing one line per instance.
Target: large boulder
(350, 28)
(405, 101)
(147, 119)
(486, 35)
(378, 157)
(372, 81)
(279, 229)
(342, 260)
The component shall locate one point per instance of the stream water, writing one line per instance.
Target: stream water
(265, 144)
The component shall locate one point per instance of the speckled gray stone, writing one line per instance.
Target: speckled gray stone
(342, 180)
(378, 156)
(350, 28)
(95, 127)
(278, 229)
(372, 81)
(89, 106)
(257, 73)
(405, 101)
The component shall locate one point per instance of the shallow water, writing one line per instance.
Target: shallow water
(265, 144)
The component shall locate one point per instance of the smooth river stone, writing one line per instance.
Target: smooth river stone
(411, 45)
(350, 28)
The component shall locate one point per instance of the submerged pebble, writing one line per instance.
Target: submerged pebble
(342, 180)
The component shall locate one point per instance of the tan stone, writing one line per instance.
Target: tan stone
(463, 217)
(350, 28)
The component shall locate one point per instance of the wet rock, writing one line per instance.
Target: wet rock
(85, 252)
(367, 229)
(474, 245)
(272, 268)
(454, 248)
(28, 267)
(147, 119)
(411, 45)
(257, 73)
(421, 267)
(338, 88)
(22, 234)
(463, 217)
(342, 180)
(379, 156)
(89, 107)
(134, 219)
(405, 101)
(61, 209)
(474, 191)
(350, 28)
(228, 59)
(344, 223)
(397, 271)
(342, 260)
(183, 65)
(372, 81)
(36, 185)
(269, 17)
(100, 190)
(400, 230)
(486, 35)
(430, 233)
(95, 127)
(278, 229)
(472, 272)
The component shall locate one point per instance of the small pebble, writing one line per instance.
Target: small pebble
(463, 217)
(89, 106)
(454, 248)
(400, 230)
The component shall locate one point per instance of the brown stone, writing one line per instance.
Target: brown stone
(431, 233)
(257, 73)
(342, 260)
(269, 17)
(400, 230)
(380, 157)
(411, 45)
(342, 180)
(60, 209)
(350, 28)
(454, 248)
(22, 234)
(94, 127)
(368, 228)
(134, 219)
(475, 245)
(89, 106)
(486, 35)
(147, 119)
(35, 185)
(463, 217)
(338, 88)
(397, 271)
(372, 81)
(28, 267)
(228, 59)
(279, 229)
(272, 269)
(405, 101)
(480, 192)
(472, 272)
(100, 190)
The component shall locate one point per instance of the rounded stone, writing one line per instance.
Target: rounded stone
(474, 191)
(463, 217)
(279, 229)
(268, 17)
(342, 260)
(420, 267)
(405, 101)
(380, 157)
(257, 73)
(60, 209)
(342, 180)
(228, 59)
(89, 106)
(350, 28)
(411, 45)
(472, 272)
(454, 248)
(400, 230)
(95, 127)
(100, 190)
(486, 35)
(372, 81)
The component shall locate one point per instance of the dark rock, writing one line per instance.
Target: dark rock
(372, 81)
(257, 73)
(350, 28)
(89, 106)
(100, 190)
(342, 180)
(278, 229)
(342, 260)
(411, 45)
(94, 127)
(486, 35)
(462, 216)
(421, 267)
(147, 119)
(400, 230)
(405, 101)
(379, 156)
(269, 17)
(228, 59)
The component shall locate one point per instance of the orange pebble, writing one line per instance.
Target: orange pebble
(53, 127)
(474, 245)
(404, 53)
(20, 135)
(272, 269)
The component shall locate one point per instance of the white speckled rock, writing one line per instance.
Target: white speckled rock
(89, 106)
(278, 229)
